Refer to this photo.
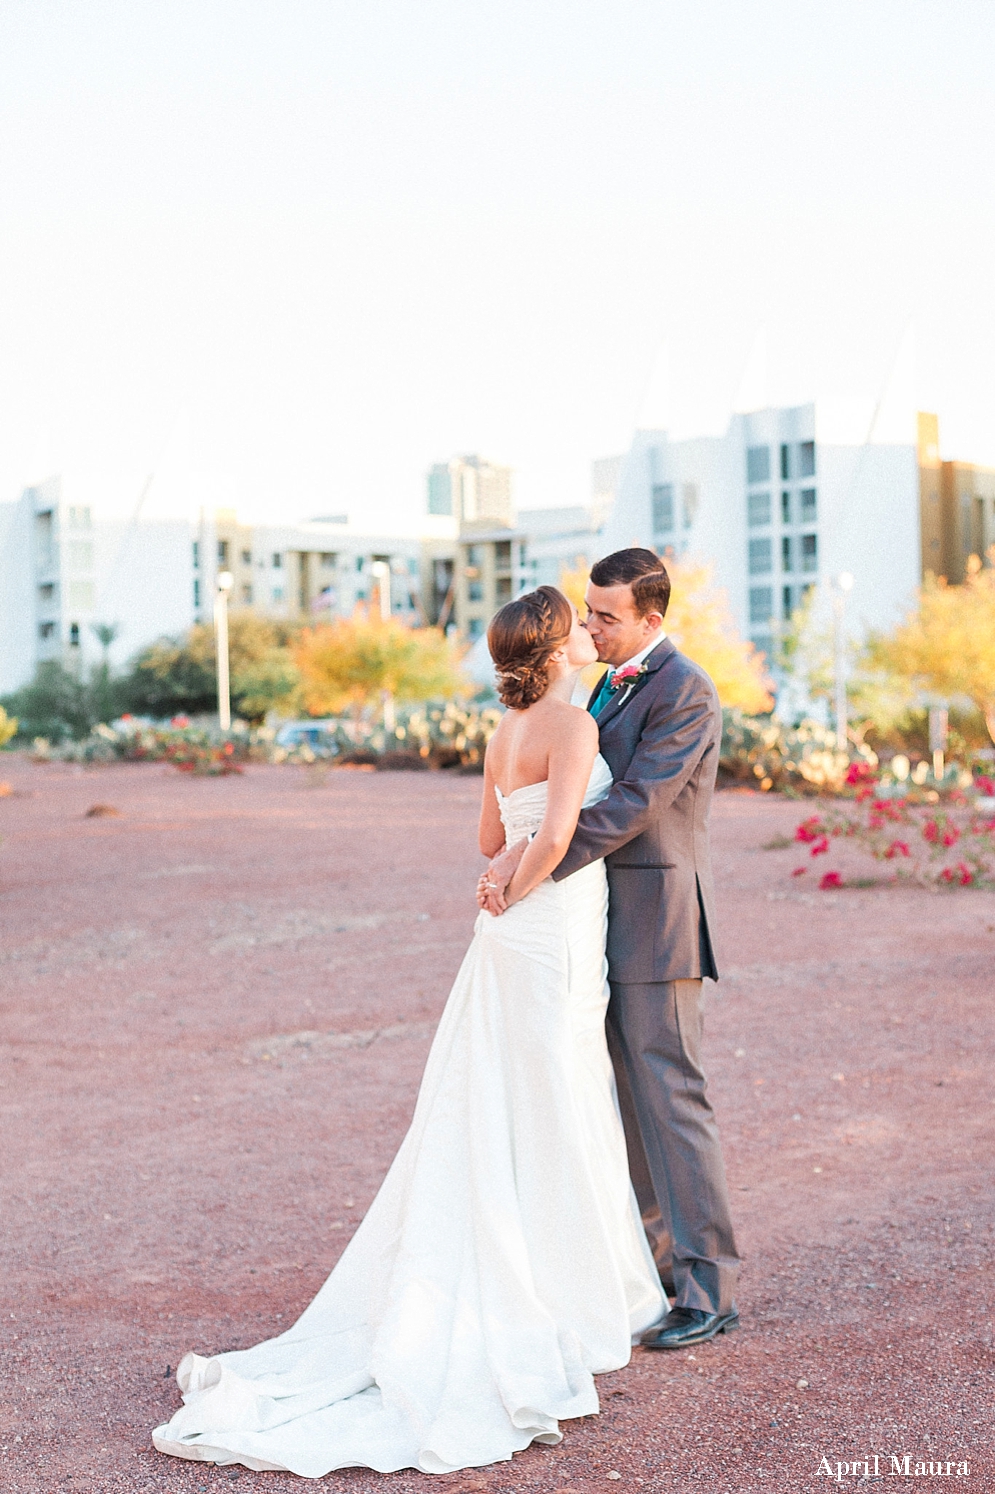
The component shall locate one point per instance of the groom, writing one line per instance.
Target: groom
(660, 727)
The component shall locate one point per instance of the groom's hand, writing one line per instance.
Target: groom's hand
(492, 888)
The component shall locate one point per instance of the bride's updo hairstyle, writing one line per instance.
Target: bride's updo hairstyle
(521, 638)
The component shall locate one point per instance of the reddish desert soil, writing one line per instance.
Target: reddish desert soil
(179, 1171)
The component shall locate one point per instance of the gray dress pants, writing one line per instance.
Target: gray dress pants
(654, 1036)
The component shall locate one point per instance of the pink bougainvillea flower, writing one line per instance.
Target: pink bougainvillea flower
(821, 846)
(931, 831)
(810, 829)
(799, 871)
(897, 848)
(831, 879)
(985, 785)
(860, 773)
(951, 835)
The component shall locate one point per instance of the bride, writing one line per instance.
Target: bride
(502, 1264)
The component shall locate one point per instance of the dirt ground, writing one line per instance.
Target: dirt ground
(216, 1005)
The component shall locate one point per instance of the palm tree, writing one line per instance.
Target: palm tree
(105, 633)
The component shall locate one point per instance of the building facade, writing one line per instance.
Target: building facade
(788, 499)
(79, 580)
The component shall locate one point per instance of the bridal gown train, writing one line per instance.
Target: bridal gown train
(502, 1264)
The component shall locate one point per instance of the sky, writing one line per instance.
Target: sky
(314, 246)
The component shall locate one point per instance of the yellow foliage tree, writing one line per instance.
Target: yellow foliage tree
(8, 727)
(946, 645)
(352, 662)
(701, 625)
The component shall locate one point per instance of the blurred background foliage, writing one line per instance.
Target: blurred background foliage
(376, 679)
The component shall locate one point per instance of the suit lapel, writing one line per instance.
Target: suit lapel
(619, 701)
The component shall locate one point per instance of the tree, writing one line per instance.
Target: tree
(180, 675)
(701, 625)
(103, 697)
(8, 727)
(55, 704)
(352, 662)
(946, 645)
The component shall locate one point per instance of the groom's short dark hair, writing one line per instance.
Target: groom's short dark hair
(643, 570)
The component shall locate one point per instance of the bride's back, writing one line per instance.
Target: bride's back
(520, 750)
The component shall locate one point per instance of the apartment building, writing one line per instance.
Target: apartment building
(789, 498)
(78, 569)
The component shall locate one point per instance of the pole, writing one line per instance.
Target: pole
(225, 582)
(381, 569)
(844, 584)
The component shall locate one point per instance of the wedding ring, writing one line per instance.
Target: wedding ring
(492, 886)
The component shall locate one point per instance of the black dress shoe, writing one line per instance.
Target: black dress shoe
(683, 1327)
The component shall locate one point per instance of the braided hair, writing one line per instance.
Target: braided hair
(522, 637)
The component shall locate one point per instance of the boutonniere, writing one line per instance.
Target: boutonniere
(627, 676)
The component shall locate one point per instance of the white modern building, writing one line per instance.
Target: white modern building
(785, 500)
(86, 559)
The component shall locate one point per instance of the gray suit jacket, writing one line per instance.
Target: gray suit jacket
(661, 740)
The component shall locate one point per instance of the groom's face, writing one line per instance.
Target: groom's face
(614, 624)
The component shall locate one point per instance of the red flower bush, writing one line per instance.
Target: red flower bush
(928, 831)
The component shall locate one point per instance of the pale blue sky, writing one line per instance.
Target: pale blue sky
(349, 238)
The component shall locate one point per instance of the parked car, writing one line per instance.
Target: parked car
(313, 734)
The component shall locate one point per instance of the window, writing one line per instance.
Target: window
(502, 591)
(74, 635)
(758, 464)
(689, 493)
(787, 555)
(808, 506)
(475, 627)
(46, 630)
(222, 552)
(278, 563)
(663, 507)
(196, 555)
(246, 557)
(810, 552)
(278, 593)
(761, 603)
(46, 591)
(247, 595)
(474, 554)
(81, 555)
(360, 562)
(786, 507)
(806, 459)
(758, 507)
(196, 591)
(475, 591)
(787, 603)
(785, 463)
(763, 643)
(502, 553)
(329, 562)
(761, 557)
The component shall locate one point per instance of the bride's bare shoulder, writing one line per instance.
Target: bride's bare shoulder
(573, 725)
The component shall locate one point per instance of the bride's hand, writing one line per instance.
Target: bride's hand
(492, 889)
(489, 895)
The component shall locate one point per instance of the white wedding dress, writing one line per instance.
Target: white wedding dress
(502, 1264)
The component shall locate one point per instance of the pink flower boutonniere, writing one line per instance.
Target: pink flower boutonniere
(627, 676)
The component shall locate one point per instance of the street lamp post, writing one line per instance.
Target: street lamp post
(844, 585)
(224, 585)
(381, 569)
